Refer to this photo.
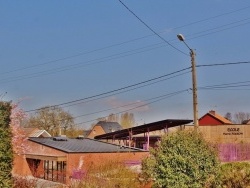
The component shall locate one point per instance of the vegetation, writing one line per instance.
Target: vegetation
(235, 174)
(126, 119)
(6, 152)
(237, 117)
(24, 182)
(109, 174)
(54, 120)
(182, 159)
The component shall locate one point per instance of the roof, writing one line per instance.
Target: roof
(109, 126)
(159, 125)
(246, 121)
(35, 132)
(83, 145)
(218, 117)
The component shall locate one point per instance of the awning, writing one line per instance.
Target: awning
(159, 125)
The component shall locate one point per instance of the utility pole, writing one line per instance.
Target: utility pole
(195, 100)
(194, 88)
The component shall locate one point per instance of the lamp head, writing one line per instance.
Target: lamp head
(181, 37)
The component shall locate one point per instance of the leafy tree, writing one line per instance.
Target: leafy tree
(6, 152)
(52, 119)
(182, 159)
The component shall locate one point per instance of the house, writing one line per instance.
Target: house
(212, 119)
(246, 121)
(35, 132)
(59, 159)
(103, 127)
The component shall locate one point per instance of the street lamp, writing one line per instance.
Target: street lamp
(195, 101)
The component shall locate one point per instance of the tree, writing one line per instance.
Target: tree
(228, 116)
(127, 120)
(239, 117)
(182, 159)
(52, 119)
(19, 138)
(6, 151)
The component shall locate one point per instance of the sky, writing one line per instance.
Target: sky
(94, 57)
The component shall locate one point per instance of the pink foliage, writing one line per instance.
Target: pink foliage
(19, 139)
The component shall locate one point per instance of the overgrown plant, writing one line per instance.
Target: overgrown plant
(235, 174)
(24, 182)
(6, 152)
(182, 159)
(109, 174)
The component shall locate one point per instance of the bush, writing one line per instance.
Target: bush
(6, 152)
(235, 174)
(24, 182)
(182, 159)
(110, 174)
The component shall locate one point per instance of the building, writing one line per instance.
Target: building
(213, 119)
(59, 158)
(143, 136)
(35, 132)
(104, 127)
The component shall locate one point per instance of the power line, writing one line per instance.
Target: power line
(105, 94)
(116, 90)
(87, 63)
(223, 64)
(140, 106)
(227, 85)
(121, 43)
(124, 91)
(151, 28)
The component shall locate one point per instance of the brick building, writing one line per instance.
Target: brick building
(59, 158)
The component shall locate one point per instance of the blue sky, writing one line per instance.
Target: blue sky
(54, 52)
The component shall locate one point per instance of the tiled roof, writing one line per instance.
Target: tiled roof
(109, 126)
(84, 145)
(220, 118)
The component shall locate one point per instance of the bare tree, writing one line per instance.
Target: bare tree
(52, 119)
(228, 116)
(239, 117)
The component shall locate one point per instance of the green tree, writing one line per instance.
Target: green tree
(182, 159)
(6, 151)
(52, 119)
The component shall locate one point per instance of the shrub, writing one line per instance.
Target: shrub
(6, 152)
(235, 174)
(110, 174)
(24, 182)
(182, 159)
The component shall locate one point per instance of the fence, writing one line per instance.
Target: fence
(234, 152)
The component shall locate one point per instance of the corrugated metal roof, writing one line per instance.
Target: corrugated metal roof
(159, 125)
(84, 145)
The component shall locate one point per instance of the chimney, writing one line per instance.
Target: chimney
(212, 112)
